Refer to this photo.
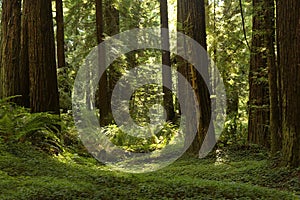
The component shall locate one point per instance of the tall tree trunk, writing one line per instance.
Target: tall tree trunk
(232, 110)
(275, 127)
(103, 88)
(132, 57)
(166, 60)
(112, 27)
(10, 50)
(60, 35)
(288, 30)
(41, 56)
(24, 58)
(258, 131)
(191, 18)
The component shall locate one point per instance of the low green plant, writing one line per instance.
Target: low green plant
(65, 78)
(29, 174)
(17, 124)
(160, 136)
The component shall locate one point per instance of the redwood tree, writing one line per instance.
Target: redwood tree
(288, 31)
(24, 58)
(10, 50)
(258, 126)
(191, 19)
(60, 35)
(274, 86)
(111, 28)
(41, 56)
(103, 88)
(166, 60)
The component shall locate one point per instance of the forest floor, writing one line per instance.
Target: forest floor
(238, 173)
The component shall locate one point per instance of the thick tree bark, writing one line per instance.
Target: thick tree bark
(41, 56)
(103, 87)
(275, 127)
(166, 60)
(288, 30)
(112, 27)
(60, 35)
(191, 18)
(258, 126)
(24, 58)
(10, 50)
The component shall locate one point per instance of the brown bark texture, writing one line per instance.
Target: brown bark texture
(103, 83)
(10, 50)
(166, 61)
(41, 56)
(258, 125)
(191, 22)
(288, 31)
(60, 34)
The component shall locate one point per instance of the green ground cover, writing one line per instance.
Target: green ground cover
(237, 173)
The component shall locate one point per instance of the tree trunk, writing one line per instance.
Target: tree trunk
(166, 60)
(10, 50)
(288, 30)
(258, 125)
(41, 56)
(60, 35)
(24, 58)
(191, 18)
(103, 89)
(275, 128)
(232, 107)
(112, 27)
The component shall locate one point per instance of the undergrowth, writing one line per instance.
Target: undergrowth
(41, 157)
(17, 124)
(26, 173)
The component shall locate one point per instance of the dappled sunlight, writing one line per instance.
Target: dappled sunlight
(221, 157)
(143, 99)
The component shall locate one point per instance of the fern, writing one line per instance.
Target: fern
(40, 129)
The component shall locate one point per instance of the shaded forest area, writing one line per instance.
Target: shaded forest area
(253, 43)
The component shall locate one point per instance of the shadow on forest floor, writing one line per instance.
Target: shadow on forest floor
(26, 173)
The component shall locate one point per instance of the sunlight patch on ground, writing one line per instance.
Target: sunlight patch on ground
(220, 157)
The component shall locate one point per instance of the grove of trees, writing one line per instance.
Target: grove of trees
(254, 44)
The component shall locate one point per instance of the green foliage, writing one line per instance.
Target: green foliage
(69, 136)
(138, 14)
(28, 174)
(229, 52)
(80, 34)
(234, 171)
(143, 100)
(235, 132)
(80, 31)
(40, 129)
(65, 78)
(160, 137)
